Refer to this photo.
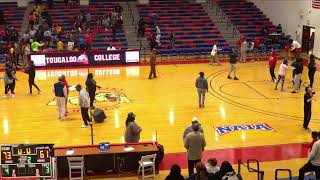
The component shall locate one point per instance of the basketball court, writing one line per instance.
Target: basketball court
(165, 106)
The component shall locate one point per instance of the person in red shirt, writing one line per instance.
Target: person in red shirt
(314, 136)
(89, 38)
(256, 47)
(240, 41)
(272, 65)
(63, 77)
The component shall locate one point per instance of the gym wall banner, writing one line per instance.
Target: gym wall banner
(80, 58)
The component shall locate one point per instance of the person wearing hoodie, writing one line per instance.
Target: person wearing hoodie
(272, 65)
(281, 74)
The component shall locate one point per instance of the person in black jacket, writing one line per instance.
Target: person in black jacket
(91, 89)
(298, 68)
(307, 107)
(233, 61)
(311, 69)
(31, 70)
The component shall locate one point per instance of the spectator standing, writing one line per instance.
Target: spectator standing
(60, 92)
(233, 60)
(91, 88)
(32, 33)
(84, 103)
(214, 54)
(114, 32)
(175, 173)
(308, 97)
(158, 36)
(195, 144)
(243, 51)
(298, 68)
(256, 47)
(295, 46)
(189, 130)
(272, 65)
(35, 46)
(141, 28)
(281, 74)
(311, 69)
(63, 77)
(89, 38)
(118, 9)
(172, 39)
(8, 80)
(27, 51)
(313, 163)
(202, 88)
(31, 70)
(81, 41)
(133, 130)
(153, 62)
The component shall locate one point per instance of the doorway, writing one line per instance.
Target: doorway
(308, 34)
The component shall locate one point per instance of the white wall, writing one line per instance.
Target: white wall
(292, 15)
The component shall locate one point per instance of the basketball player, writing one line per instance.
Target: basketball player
(60, 91)
(308, 97)
(153, 60)
(202, 88)
(281, 74)
(31, 70)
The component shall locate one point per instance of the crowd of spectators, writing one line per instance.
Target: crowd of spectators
(210, 171)
(43, 35)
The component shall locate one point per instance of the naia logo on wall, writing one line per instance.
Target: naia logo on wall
(222, 130)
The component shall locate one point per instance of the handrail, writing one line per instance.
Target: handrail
(260, 173)
(284, 170)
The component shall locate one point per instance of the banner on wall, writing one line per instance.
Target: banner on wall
(316, 46)
(80, 58)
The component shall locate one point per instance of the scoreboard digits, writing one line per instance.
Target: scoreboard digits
(32, 160)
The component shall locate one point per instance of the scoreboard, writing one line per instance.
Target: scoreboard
(26, 160)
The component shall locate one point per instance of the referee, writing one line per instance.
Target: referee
(308, 96)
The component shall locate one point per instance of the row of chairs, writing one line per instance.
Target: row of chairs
(77, 171)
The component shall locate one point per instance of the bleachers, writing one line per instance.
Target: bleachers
(13, 14)
(248, 19)
(65, 16)
(194, 30)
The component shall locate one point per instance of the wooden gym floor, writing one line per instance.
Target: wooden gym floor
(164, 107)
